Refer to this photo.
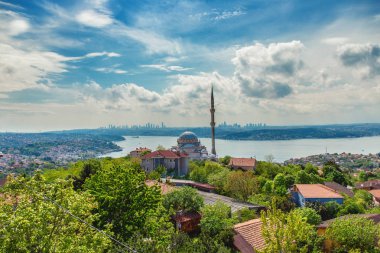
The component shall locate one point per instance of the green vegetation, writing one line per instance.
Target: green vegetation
(111, 195)
(184, 200)
(353, 234)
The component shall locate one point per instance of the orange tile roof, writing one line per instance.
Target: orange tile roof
(375, 193)
(317, 191)
(250, 232)
(243, 162)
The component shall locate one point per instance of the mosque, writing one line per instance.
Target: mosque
(189, 144)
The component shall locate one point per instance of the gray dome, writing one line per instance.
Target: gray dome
(187, 137)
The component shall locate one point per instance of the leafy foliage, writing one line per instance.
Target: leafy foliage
(353, 234)
(311, 216)
(287, 232)
(186, 199)
(31, 222)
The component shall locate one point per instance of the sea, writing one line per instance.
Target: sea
(280, 150)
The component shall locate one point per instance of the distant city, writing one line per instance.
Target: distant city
(150, 125)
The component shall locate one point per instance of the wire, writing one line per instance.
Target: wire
(86, 223)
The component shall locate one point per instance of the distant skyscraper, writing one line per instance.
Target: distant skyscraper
(212, 110)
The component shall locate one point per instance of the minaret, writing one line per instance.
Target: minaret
(212, 110)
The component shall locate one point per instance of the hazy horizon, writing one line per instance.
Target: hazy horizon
(86, 64)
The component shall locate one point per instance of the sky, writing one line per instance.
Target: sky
(86, 64)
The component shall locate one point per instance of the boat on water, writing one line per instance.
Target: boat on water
(135, 136)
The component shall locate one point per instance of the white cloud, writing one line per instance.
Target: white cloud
(93, 18)
(268, 71)
(165, 67)
(111, 70)
(335, 40)
(97, 54)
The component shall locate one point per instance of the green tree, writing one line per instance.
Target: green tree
(287, 233)
(160, 147)
(350, 206)
(241, 185)
(219, 179)
(303, 178)
(128, 204)
(279, 184)
(225, 160)
(217, 222)
(33, 218)
(312, 217)
(364, 198)
(353, 233)
(185, 199)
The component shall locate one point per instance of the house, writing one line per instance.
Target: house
(321, 228)
(138, 152)
(242, 163)
(303, 193)
(368, 185)
(187, 222)
(376, 196)
(248, 237)
(172, 161)
(339, 188)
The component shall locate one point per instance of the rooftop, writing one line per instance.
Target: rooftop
(164, 154)
(243, 162)
(248, 236)
(375, 193)
(371, 216)
(317, 191)
(339, 188)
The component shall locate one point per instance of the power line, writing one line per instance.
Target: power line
(88, 224)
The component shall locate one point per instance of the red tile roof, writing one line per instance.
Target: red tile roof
(163, 154)
(317, 191)
(248, 236)
(375, 183)
(242, 162)
(375, 193)
(185, 217)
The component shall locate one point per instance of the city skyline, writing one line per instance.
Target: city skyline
(69, 64)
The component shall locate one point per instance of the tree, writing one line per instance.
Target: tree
(269, 158)
(327, 211)
(350, 206)
(185, 199)
(160, 147)
(364, 198)
(225, 160)
(279, 184)
(128, 204)
(311, 216)
(303, 178)
(88, 168)
(219, 179)
(241, 185)
(33, 218)
(353, 233)
(287, 233)
(217, 222)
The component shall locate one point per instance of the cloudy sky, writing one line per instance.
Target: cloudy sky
(86, 64)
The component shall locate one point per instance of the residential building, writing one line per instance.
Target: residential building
(138, 152)
(376, 196)
(368, 185)
(248, 237)
(242, 163)
(187, 222)
(303, 193)
(172, 161)
(339, 188)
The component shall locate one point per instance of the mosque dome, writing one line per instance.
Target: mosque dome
(187, 137)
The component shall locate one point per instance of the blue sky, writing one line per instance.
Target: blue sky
(76, 64)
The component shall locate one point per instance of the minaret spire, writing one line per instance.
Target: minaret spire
(212, 110)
